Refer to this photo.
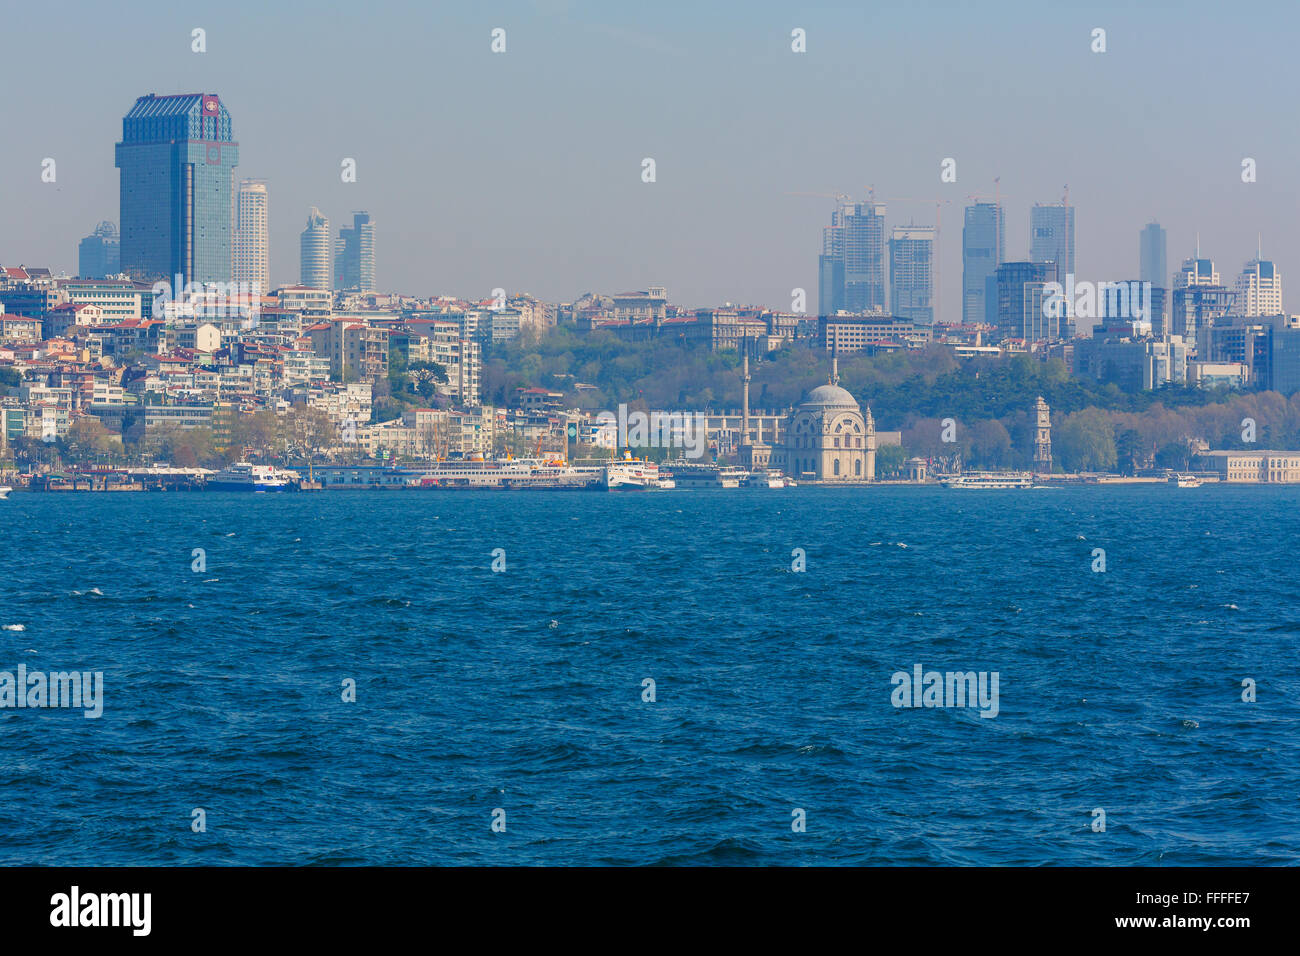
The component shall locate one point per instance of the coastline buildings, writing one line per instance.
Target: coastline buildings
(99, 255)
(252, 253)
(983, 241)
(177, 159)
(314, 251)
(354, 264)
(911, 273)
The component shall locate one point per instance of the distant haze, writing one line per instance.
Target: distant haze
(523, 170)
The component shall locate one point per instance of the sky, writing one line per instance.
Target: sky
(523, 170)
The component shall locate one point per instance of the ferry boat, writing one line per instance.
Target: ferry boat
(706, 474)
(503, 473)
(771, 478)
(632, 473)
(1185, 481)
(243, 476)
(989, 480)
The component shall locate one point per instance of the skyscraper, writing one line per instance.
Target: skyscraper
(177, 158)
(851, 269)
(252, 260)
(1153, 266)
(1259, 289)
(99, 255)
(354, 268)
(1051, 236)
(911, 277)
(1198, 300)
(983, 239)
(1020, 295)
(314, 250)
(1151, 254)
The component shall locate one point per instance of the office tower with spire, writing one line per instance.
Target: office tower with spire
(1198, 300)
(983, 239)
(177, 159)
(851, 270)
(252, 262)
(354, 265)
(1258, 288)
(99, 255)
(911, 273)
(1051, 236)
(314, 252)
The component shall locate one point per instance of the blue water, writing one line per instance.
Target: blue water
(522, 690)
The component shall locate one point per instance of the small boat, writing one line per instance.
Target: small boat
(4, 493)
(1185, 481)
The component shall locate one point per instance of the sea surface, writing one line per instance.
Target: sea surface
(523, 690)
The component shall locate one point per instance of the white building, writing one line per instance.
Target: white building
(251, 256)
(317, 252)
(1259, 289)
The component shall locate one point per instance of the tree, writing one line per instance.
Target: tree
(1085, 441)
(88, 440)
(889, 460)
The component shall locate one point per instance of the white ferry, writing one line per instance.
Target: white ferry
(989, 480)
(706, 474)
(503, 473)
(771, 478)
(632, 473)
(243, 476)
(1185, 481)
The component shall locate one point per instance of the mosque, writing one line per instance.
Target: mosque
(826, 437)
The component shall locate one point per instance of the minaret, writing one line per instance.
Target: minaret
(870, 423)
(835, 363)
(744, 392)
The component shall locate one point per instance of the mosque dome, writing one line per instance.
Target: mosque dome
(829, 396)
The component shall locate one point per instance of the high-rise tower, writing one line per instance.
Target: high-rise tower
(983, 241)
(1051, 236)
(911, 273)
(314, 250)
(252, 259)
(177, 158)
(354, 267)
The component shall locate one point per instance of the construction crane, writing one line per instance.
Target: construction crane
(838, 197)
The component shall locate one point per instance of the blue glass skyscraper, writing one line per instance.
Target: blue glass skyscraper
(983, 240)
(177, 158)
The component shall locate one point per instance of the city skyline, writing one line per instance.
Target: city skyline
(515, 217)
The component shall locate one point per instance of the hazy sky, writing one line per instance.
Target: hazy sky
(523, 170)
